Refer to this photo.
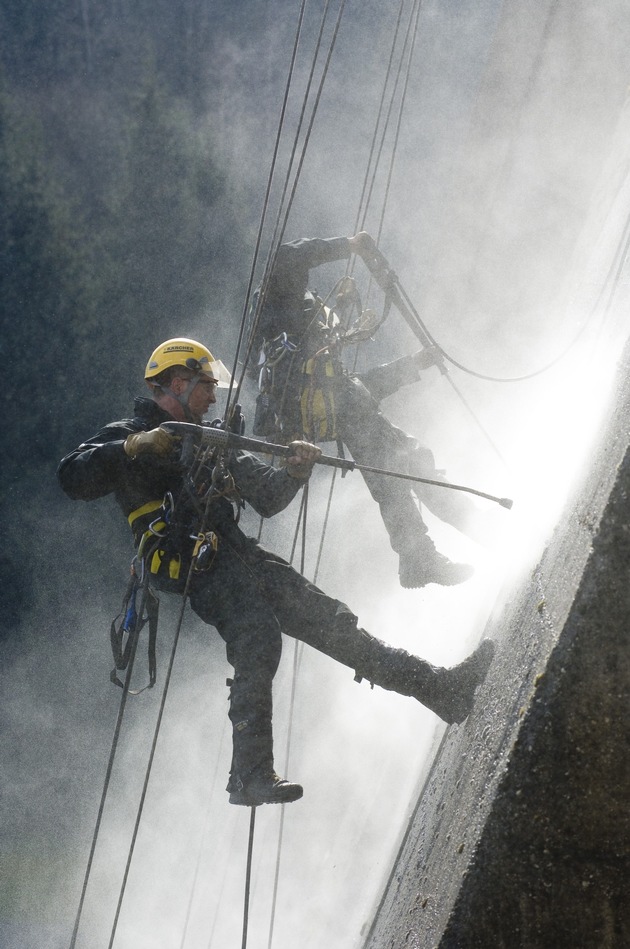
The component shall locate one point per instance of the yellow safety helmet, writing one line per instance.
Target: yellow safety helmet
(191, 354)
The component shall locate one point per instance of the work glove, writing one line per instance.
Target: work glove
(156, 441)
(429, 356)
(299, 464)
(362, 244)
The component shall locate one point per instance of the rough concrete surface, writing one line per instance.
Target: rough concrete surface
(521, 835)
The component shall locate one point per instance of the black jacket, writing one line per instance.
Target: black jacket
(283, 311)
(100, 466)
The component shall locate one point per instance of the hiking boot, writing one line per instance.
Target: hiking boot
(423, 564)
(265, 788)
(457, 686)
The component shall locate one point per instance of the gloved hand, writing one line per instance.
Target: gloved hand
(429, 356)
(299, 463)
(157, 441)
(362, 244)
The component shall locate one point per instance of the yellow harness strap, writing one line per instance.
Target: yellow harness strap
(155, 562)
(174, 564)
(319, 414)
(147, 508)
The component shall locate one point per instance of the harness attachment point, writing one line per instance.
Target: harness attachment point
(204, 551)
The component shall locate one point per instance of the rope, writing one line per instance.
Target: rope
(265, 204)
(325, 525)
(477, 421)
(359, 222)
(220, 894)
(297, 652)
(204, 835)
(276, 238)
(403, 100)
(151, 757)
(545, 368)
(110, 763)
(278, 232)
(287, 755)
(248, 875)
(415, 10)
(361, 218)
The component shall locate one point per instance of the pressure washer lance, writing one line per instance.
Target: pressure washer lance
(208, 436)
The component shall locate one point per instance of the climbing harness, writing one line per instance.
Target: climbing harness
(152, 559)
(311, 381)
(152, 538)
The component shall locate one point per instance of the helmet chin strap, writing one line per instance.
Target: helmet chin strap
(183, 397)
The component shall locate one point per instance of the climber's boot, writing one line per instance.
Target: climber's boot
(420, 564)
(262, 787)
(450, 693)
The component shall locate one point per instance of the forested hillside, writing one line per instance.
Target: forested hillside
(116, 219)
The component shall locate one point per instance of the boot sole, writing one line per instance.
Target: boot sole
(442, 581)
(250, 800)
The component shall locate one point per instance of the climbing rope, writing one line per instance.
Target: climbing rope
(248, 875)
(366, 192)
(610, 280)
(297, 652)
(112, 755)
(284, 211)
(406, 60)
(211, 496)
(265, 207)
(203, 838)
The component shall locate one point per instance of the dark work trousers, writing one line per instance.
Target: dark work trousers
(252, 596)
(375, 441)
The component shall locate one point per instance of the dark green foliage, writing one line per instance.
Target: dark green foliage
(110, 239)
(115, 229)
(47, 292)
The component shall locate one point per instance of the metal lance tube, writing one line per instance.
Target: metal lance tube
(219, 438)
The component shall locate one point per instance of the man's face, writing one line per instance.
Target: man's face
(202, 397)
